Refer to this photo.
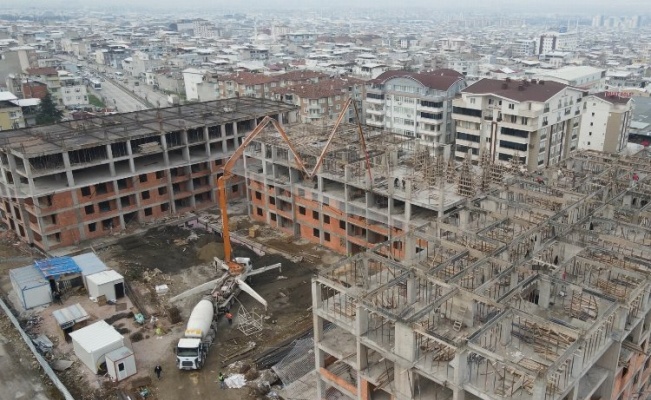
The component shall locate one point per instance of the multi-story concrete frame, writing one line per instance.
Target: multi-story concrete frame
(605, 122)
(537, 121)
(64, 183)
(338, 207)
(415, 104)
(527, 292)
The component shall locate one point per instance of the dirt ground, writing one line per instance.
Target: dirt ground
(181, 258)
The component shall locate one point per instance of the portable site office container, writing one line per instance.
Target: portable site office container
(107, 283)
(121, 363)
(31, 287)
(89, 264)
(92, 343)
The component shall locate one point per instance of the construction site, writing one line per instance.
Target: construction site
(536, 287)
(462, 281)
(79, 180)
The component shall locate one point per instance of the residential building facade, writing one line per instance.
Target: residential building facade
(415, 104)
(605, 122)
(535, 121)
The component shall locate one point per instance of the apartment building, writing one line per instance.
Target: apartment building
(415, 104)
(323, 100)
(557, 41)
(535, 121)
(531, 293)
(65, 183)
(11, 115)
(73, 90)
(50, 77)
(605, 122)
(247, 84)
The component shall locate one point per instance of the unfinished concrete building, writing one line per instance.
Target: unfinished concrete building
(77, 180)
(526, 291)
(348, 194)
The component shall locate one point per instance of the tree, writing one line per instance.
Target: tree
(48, 113)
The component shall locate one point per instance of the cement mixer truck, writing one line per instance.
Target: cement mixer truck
(193, 347)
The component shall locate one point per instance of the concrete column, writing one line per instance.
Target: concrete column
(132, 165)
(222, 128)
(206, 139)
(66, 163)
(28, 174)
(186, 148)
(405, 346)
(460, 365)
(109, 154)
(411, 289)
(235, 132)
(361, 321)
(544, 291)
(464, 218)
(539, 387)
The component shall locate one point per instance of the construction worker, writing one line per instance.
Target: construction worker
(222, 384)
(229, 317)
(158, 370)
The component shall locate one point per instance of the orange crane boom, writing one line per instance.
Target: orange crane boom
(234, 267)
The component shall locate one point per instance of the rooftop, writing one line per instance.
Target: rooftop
(539, 91)
(440, 79)
(99, 130)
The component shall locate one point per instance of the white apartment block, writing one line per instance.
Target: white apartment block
(524, 48)
(415, 104)
(535, 121)
(557, 41)
(605, 122)
(73, 91)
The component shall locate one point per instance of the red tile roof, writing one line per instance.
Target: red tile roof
(540, 91)
(440, 79)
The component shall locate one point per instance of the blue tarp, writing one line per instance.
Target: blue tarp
(55, 267)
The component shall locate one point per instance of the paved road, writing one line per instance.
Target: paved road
(115, 97)
(150, 98)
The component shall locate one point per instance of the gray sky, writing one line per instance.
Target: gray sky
(587, 7)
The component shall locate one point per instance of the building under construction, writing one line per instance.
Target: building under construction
(345, 190)
(535, 287)
(64, 183)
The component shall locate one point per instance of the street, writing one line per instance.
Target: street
(113, 91)
(115, 97)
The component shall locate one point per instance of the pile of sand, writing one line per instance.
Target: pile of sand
(207, 252)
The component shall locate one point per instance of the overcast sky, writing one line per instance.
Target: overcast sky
(587, 7)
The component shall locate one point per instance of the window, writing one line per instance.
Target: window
(148, 211)
(593, 114)
(145, 195)
(342, 224)
(273, 216)
(301, 210)
(164, 207)
(397, 245)
(104, 206)
(326, 236)
(525, 121)
(514, 119)
(121, 367)
(259, 211)
(316, 232)
(90, 209)
(591, 123)
(272, 201)
(160, 174)
(162, 190)
(92, 227)
(143, 178)
(258, 196)
(511, 106)
(236, 188)
(588, 143)
(326, 219)
(472, 100)
(315, 215)
(85, 191)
